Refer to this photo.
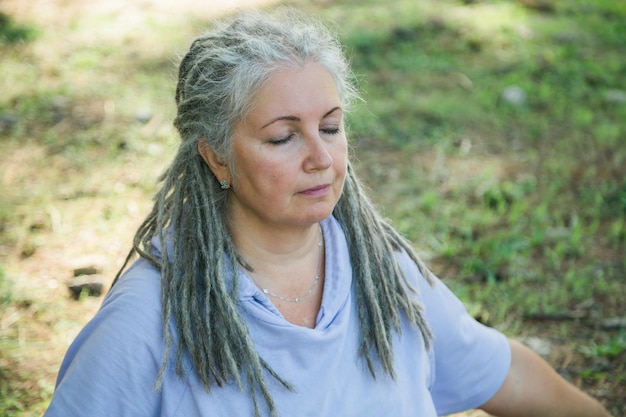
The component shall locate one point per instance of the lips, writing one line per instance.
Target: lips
(318, 190)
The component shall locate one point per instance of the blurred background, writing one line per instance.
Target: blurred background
(492, 133)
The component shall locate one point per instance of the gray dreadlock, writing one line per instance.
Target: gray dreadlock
(217, 78)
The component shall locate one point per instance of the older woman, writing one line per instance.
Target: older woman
(266, 282)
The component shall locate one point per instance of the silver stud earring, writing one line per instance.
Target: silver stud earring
(224, 184)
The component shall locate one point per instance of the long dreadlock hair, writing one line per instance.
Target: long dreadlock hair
(217, 78)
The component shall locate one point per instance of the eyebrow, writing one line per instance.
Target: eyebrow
(297, 119)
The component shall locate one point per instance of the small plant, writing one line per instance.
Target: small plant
(611, 348)
(614, 347)
(11, 32)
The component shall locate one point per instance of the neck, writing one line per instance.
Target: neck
(283, 262)
(276, 245)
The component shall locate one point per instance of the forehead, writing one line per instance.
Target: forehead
(305, 90)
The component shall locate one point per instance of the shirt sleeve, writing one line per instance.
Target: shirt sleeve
(470, 360)
(111, 367)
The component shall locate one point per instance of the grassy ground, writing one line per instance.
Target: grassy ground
(492, 134)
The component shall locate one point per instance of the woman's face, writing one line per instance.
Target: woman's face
(290, 153)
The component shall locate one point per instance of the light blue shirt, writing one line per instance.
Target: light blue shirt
(111, 367)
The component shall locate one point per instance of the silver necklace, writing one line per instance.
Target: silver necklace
(266, 291)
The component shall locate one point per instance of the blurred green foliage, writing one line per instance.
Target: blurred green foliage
(12, 32)
(435, 77)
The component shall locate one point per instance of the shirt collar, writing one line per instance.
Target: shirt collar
(337, 278)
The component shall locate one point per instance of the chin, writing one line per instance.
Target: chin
(314, 218)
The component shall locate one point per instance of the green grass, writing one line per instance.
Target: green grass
(521, 209)
(435, 78)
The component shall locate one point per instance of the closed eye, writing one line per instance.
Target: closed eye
(281, 141)
(334, 131)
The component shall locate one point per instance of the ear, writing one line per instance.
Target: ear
(217, 165)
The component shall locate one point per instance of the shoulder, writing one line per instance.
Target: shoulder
(470, 360)
(131, 312)
(118, 354)
(130, 316)
(138, 289)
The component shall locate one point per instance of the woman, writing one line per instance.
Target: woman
(267, 284)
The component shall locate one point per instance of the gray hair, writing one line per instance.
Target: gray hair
(226, 66)
(217, 79)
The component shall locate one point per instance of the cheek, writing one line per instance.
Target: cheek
(268, 173)
(341, 159)
(253, 168)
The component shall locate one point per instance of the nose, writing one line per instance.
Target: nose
(318, 156)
